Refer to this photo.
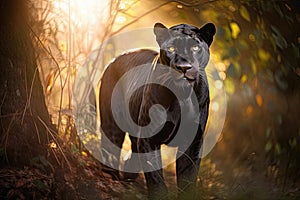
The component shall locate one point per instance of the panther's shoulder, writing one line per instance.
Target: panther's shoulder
(134, 58)
(128, 60)
(138, 55)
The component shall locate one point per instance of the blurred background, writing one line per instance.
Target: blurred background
(255, 53)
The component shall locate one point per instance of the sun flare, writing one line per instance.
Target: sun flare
(83, 13)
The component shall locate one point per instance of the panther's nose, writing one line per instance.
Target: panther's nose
(184, 68)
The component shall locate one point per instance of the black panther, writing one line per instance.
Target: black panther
(184, 54)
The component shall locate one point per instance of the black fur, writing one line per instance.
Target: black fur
(189, 59)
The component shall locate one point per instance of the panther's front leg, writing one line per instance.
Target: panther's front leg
(150, 158)
(187, 166)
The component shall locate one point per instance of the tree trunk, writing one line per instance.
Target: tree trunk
(24, 118)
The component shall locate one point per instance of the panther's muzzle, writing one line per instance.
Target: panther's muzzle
(187, 75)
(187, 70)
(184, 67)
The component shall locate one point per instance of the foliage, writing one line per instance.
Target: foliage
(256, 53)
(25, 184)
(262, 59)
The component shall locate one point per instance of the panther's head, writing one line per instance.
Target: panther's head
(185, 48)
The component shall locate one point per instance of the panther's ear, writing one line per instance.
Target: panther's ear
(161, 32)
(207, 33)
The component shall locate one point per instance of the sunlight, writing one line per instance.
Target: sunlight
(121, 19)
(215, 106)
(218, 84)
(122, 6)
(83, 13)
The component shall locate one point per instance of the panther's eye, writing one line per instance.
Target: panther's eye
(195, 48)
(171, 49)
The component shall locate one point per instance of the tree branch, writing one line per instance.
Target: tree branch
(161, 5)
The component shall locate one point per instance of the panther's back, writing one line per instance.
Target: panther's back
(114, 72)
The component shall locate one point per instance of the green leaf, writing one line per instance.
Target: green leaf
(279, 39)
(74, 149)
(263, 55)
(229, 86)
(279, 78)
(277, 149)
(244, 13)
(253, 66)
(278, 10)
(235, 30)
(268, 146)
(226, 33)
(295, 51)
(40, 162)
(234, 70)
(293, 142)
(268, 132)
